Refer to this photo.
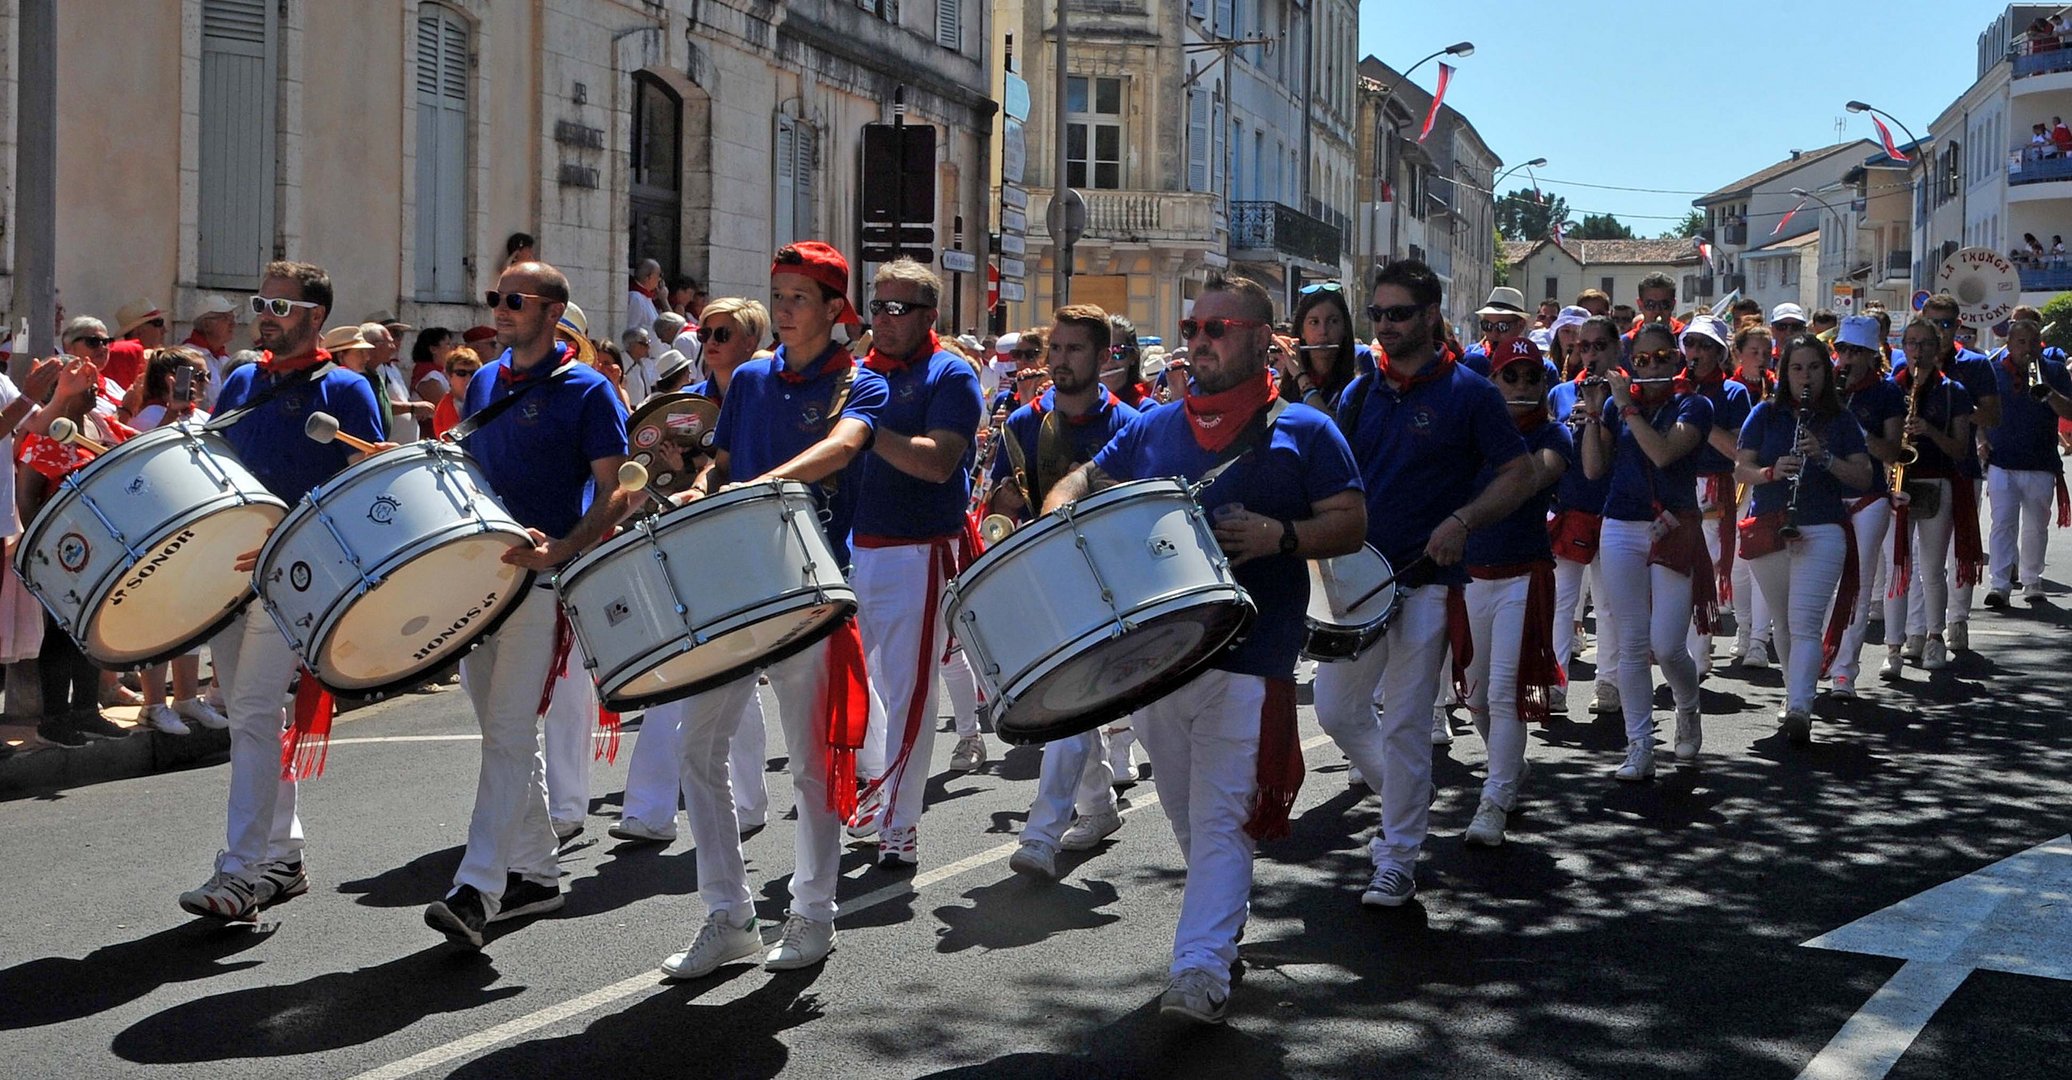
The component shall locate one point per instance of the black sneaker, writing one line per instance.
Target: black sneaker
(288, 880)
(522, 898)
(460, 917)
(58, 729)
(90, 723)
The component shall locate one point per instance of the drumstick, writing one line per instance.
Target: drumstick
(323, 427)
(633, 476)
(1370, 594)
(63, 429)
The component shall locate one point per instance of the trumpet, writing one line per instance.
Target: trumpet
(995, 528)
(2040, 391)
(1790, 531)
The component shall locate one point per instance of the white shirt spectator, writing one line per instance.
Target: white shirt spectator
(640, 311)
(687, 343)
(399, 404)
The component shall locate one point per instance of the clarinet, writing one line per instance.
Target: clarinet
(1790, 531)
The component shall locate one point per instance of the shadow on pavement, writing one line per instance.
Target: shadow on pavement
(54, 989)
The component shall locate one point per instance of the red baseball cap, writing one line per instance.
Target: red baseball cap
(475, 335)
(823, 264)
(1520, 349)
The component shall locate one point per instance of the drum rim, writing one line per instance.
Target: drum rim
(775, 656)
(1045, 524)
(61, 494)
(727, 624)
(1158, 687)
(312, 502)
(568, 577)
(469, 643)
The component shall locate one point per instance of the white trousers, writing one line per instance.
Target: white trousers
(2024, 504)
(571, 741)
(1574, 584)
(1925, 607)
(255, 666)
(708, 725)
(1496, 618)
(895, 602)
(1799, 585)
(510, 830)
(1204, 744)
(1399, 674)
(1076, 774)
(654, 776)
(1652, 605)
(1871, 523)
(962, 686)
(1752, 619)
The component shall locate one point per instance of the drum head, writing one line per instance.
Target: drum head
(672, 425)
(1119, 675)
(1336, 583)
(181, 591)
(427, 612)
(728, 656)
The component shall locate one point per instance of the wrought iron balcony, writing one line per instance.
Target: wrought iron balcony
(1283, 230)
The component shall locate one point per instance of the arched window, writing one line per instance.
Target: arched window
(657, 175)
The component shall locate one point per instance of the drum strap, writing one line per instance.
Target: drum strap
(1053, 453)
(267, 393)
(1262, 422)
(1032, 488)
(844, 379)
(481, 417)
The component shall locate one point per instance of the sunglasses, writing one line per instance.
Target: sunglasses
(1593, 346)
(462, 373)
(515, 300)
(894, 308)
(1658, 356)
(278, 307)
(721, 334)
(1322, 287)
(1522, 373)
(160, 323)
(1498, 326)
(1399, 313)
(1214, 328)
(1657, 305)
(95, 342)
(1026, 354)
(1949, 323)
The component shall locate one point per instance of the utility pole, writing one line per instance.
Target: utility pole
(1061, 253)
(36, 183)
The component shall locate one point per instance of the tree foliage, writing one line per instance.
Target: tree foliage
(2057, 321)
(1601, 227)
(1526, 214)
(1692, 224)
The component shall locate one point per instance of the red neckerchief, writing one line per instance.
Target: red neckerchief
(1216, 419)
(508, 374)
(1870, 379)
(195, 340)
(893, 365)
(1442, 364)
(633, 285)
(1531, 421)
(1769, 380)
(276, 366)
(837, 353)
(1711, 382)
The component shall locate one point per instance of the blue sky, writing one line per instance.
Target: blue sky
(1685, 98)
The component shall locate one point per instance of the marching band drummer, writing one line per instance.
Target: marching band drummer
(1936, 509)
(1578, 520)
(553, 460)
(1880, 409)
(261, 862)
(654, 777)
(1704, 342)
(1655, 569)
(1512, 673)
(1805, 456)
(2024, 474)
(1417, 424)
(1224, 748)
(1045, 441)
(914, 485)
(808, 414)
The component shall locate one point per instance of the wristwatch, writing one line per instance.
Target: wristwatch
(1287, 537)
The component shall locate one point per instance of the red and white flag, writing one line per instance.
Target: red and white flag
(1885, 134)
(1705, 252)
(1787, 217)
(1438, 96)
(1557, 234)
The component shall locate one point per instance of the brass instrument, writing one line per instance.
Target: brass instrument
(2039, 391)
(1908, 454)
(995, 528)
(1790, 530)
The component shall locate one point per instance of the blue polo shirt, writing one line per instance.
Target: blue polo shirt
(270, 441)
(1731, 403)
(2027, 438)
(938, 394)
(1637, 485)
(1522, 535)
(1942, 404)
(1086, 435)
(1414, 448)
(1823, 500)
(538, 453)
(1304, 461)
(767, 420)
(1872, 406)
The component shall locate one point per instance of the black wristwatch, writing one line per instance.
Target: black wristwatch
(1288, 540)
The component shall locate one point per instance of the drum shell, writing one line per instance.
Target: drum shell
(1035, 603)
(1332, 635)
(180, 499)
(755, 574)
(389, 511)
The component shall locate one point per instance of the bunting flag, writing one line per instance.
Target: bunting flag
(1789, 214)
(1725, 304)
(1438, 96)
(1557, 233)
(1705, 252)
(1885, 135)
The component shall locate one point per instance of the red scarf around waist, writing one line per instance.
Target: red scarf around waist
(1217, 419)
(1280, 769)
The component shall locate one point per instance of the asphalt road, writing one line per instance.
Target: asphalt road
(1650, 930)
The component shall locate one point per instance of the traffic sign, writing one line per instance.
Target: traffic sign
(1014, 221)
(1013, 268)
(1012, 291)
(1013, 244)
(1014, 153)
(959, 262)
(1066, 218)
(1014, 198)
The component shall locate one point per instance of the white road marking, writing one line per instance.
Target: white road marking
(521, 1026)
(1870, 1044)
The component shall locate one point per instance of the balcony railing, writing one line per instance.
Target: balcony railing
(2042, 63)
(2029, 165)
(1698, 286)
(1140, 217)
(1898, 264)
(1729, 282)
(2046, 278)
(1736, 234)
(1271, 226)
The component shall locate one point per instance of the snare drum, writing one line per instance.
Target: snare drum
(133, 553)
(392, 568)
(1339, 629)
(1096, 609)
(700, 595)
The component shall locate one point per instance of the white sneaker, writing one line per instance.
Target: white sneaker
(868, 813)
(1487, 830)
(1758, 655)
(197, 710)
(1035, 859)
(1122, 756)
(1996, 597)
(804, 943)
(900, 847)
(1606, 699)
(1442, 728)
(636, 829)
(564, 831)
(1353, 776)
(1845, 686)
(1798, 727)
(1935, 657)
(718, 942)
(969, 754)
(161, 717)
(1895, 664)
(749, 821)
(1639, 764)
(1957, 636)
(1088, 832)
(1915, 646)
(1194, 995)
(1690, 734)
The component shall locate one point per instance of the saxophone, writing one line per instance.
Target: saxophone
(1896, 473)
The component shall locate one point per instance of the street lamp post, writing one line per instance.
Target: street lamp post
(1912, 140)
(1458, 48)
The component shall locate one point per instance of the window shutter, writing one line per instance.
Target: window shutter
(234, 230)
(1197, 140)
(1225, 19)
(442, 154)
(782, 228)
(806, 145)
(949, 24)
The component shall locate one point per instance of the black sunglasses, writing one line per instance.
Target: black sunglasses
(1523, 372)
(516, 300)
(1657, 305)
(1398, 313)
(1214, 328)
(95, 342)
(722, 334)
(894, 308)
(1592, 346)
(1026, 354)
(1497, 326)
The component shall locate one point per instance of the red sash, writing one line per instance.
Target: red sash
(1683, 550)
(1844, 612)
(941, 558)
(1280, 768)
